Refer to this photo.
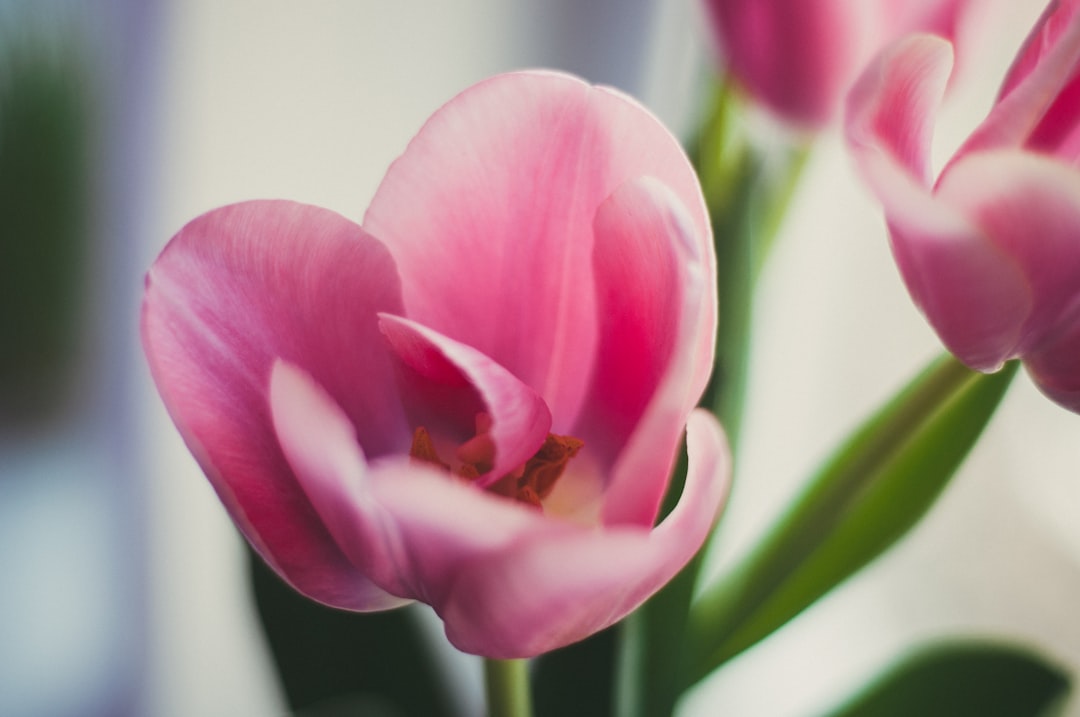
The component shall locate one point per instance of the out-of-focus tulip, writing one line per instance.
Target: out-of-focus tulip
(799, 57)
(476, 399)
(990, 251)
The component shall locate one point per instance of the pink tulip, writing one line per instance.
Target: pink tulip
(990, 251)
(799, 57)
(476, 399)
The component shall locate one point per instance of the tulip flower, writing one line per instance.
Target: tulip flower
(989, 250)
(476, 398)
(799, 57)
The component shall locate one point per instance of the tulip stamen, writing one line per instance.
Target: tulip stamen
(545, 468)
(530, 483)
(423, 451)
(423, 448)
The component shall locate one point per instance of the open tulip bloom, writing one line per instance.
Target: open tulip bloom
(990, 250)
(476, 398)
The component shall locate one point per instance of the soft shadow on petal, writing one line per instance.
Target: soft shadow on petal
(236, 288)
(440, 376)
(657, 331)
(489, 216)
(540, 594)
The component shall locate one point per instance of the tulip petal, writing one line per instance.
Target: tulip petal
(892, 107)
(319, 442)
(235, 289)
(794, 56)
(656, 339)
(539, 594)
(1028, 207)
(973, 295)
(489, 217)
(1041, 94)
(406, 525)
(1053, 366)
(444, 378)
(508, 581)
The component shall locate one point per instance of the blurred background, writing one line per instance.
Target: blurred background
(124, 590)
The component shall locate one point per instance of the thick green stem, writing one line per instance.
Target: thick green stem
(507, 684)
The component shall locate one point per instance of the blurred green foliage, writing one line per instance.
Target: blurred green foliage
(868, 496)
(963, 678)
(45, 138)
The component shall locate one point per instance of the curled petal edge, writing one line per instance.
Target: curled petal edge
(639, 474)
(520, 418)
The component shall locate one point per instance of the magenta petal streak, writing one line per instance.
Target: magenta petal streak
(375, 406)
(990, 249)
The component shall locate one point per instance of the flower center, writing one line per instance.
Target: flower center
(529, 483)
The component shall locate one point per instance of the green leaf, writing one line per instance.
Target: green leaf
(334, 663)
(869, 495)
(963, 678)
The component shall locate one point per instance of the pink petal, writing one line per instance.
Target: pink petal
(656, 298)
(970, 291)
(796, 57)
(1055, 366)
(891, 109)
(446, 384)
(1040, 99)
(544, 592)
(1028, 207)
(489, 217)
(235, 289)
(406, 525)
(508, 581)
(319, 442)
(1048, 31)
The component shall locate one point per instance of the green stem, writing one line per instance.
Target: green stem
(507, 684)
(747, 190)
